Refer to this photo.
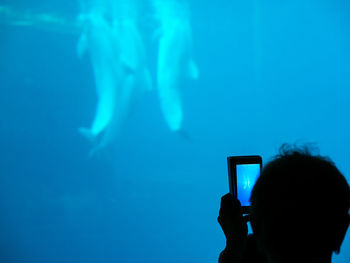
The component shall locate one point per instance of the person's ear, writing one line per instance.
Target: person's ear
(340, 235)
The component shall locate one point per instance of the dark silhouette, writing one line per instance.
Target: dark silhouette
(299, 212)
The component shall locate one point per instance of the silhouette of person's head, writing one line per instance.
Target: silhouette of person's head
(300, 207)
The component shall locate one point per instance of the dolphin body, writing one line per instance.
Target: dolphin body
(175, 61)
(118, 59)
(134, 79)
(98, 42)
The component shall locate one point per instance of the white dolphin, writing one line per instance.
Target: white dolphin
(175, 61)
(96, 39)
(119, 62)
(134, 79)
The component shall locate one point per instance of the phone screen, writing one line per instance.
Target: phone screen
(247, 174)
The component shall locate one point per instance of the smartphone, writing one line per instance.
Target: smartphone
(243, 171)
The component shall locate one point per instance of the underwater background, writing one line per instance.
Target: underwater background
(270, 72)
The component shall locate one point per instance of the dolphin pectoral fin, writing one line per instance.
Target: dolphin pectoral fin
(193, 71)
(82, 45)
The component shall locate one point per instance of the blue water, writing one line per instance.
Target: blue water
(276, 74)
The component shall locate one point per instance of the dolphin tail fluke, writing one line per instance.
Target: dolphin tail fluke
(193, 71)
(94, 151)
(185, 135)
(87, 133)
(92, 139)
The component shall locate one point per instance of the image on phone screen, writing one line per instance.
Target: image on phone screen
(247, 174)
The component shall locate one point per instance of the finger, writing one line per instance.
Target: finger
(230, 205)
(227, 201)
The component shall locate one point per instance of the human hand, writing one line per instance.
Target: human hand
(234, 226)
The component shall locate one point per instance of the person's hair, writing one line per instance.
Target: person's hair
(300, 202)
